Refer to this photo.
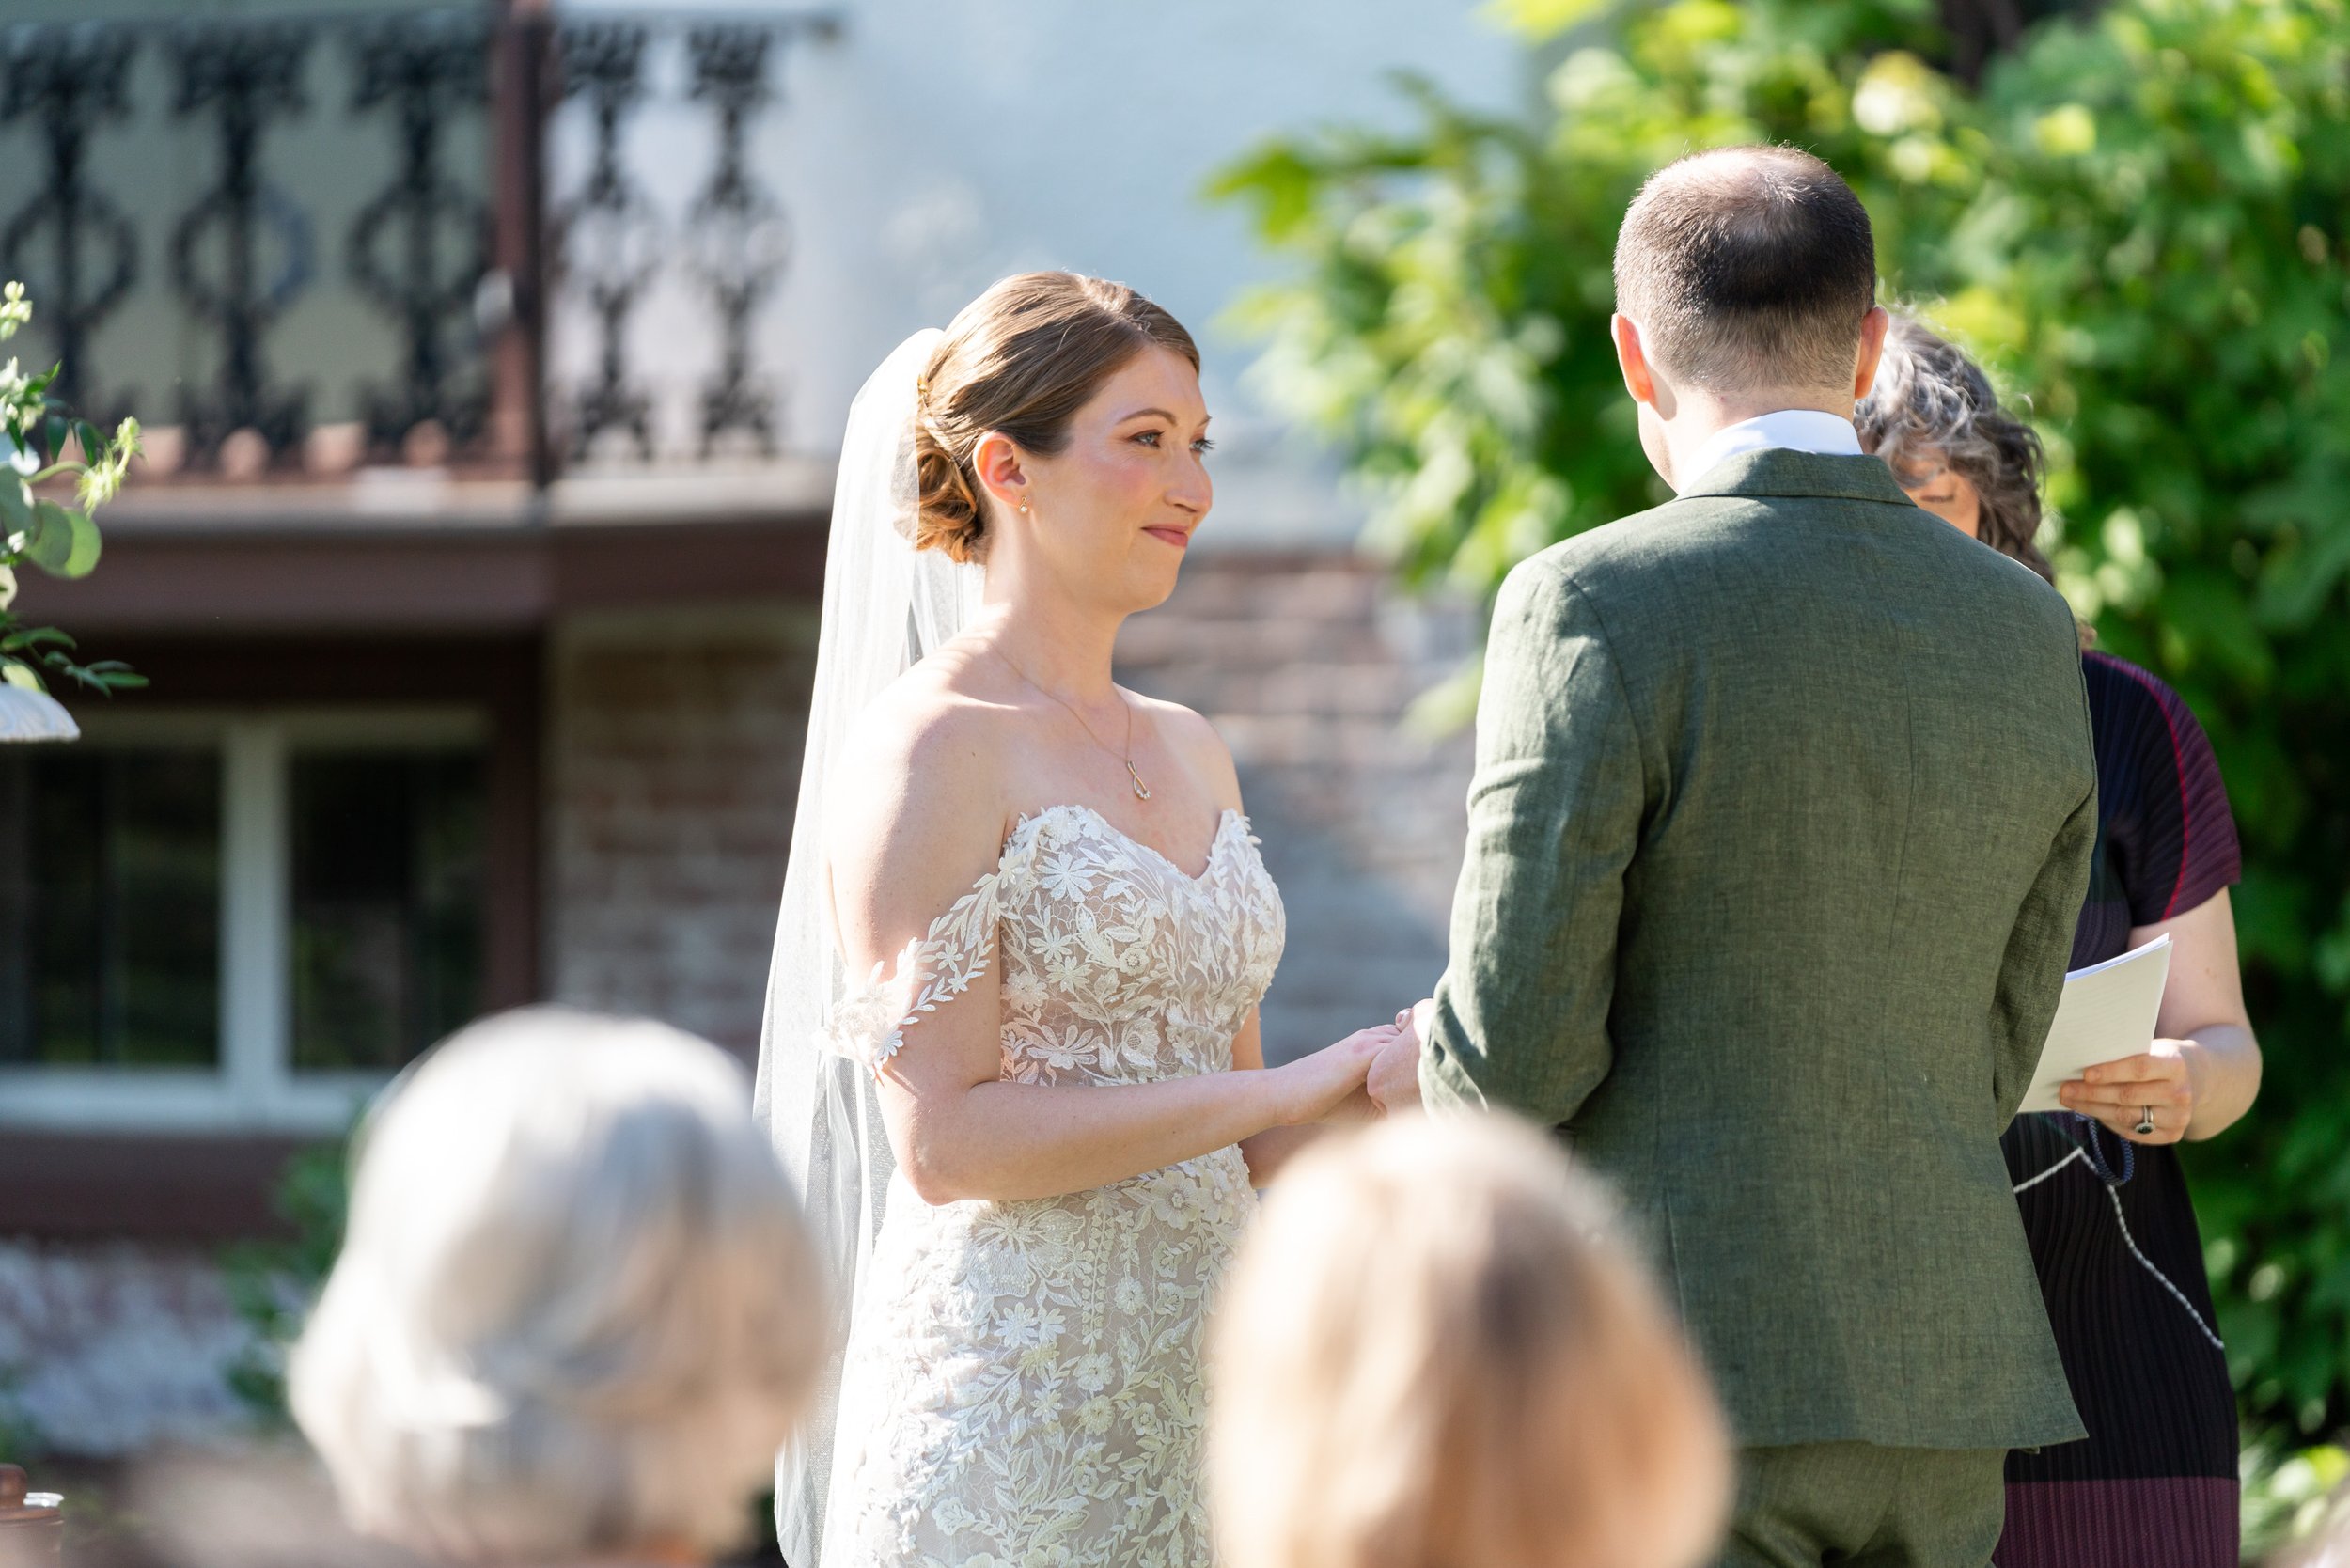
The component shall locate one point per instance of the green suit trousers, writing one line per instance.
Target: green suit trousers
(1857, 1505)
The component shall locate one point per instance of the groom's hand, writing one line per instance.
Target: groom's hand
(1395, 1073)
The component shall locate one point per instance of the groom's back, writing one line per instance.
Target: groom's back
(1782, 816)
(1860, 735)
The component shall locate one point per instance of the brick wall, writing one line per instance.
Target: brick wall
(673, 762)
(1306, 663)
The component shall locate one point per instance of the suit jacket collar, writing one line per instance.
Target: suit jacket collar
(1782, 471)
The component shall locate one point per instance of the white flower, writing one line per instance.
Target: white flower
(1140, 1045)
(867, 1026)
(1003, 1272)
(108, 469)
(1063, 1049)
(1067, 877)
(1025, 991)
(1174, 1204)
(1018, 1324)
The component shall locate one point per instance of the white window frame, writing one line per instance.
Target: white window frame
(255, 1088)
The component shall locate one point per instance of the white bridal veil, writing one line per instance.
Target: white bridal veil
(886, 606)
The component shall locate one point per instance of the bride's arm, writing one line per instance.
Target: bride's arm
(925, 827)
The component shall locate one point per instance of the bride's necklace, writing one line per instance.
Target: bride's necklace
(1143, 791)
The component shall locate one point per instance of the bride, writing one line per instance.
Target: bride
(1012, 1047)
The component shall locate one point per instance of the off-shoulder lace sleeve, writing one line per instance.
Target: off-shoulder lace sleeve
(870, 1023)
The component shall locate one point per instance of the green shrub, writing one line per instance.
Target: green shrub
(272, 1284)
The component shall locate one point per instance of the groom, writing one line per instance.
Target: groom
(1781, 819)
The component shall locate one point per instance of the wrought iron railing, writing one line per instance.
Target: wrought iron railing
(306, 244)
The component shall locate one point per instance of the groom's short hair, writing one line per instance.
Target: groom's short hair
(1748, 268)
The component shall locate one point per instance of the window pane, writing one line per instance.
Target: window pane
(388, 893)
(110, 907)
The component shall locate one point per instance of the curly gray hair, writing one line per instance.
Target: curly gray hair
(1931, 407)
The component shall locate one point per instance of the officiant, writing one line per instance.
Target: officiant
(2104, 1199)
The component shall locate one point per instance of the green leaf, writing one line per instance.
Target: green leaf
(106, 677)
(34, 636)
(64, 543)
(1279, 183)
(113, 675)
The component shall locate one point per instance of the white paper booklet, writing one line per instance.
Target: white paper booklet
(2108, 1013)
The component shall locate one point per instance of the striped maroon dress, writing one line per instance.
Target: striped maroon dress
(2112, 1229)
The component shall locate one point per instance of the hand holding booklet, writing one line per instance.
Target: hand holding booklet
(2107, 1012)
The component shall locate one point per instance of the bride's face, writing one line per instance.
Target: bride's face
(1112, 513)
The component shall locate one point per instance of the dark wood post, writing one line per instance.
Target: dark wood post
(523, 61)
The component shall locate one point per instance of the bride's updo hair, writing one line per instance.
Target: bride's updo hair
(1022, 358)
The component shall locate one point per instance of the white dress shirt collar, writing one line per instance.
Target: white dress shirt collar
(1801, 430)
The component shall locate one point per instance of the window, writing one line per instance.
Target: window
(236, 921)
(111, 907)
(388, 903)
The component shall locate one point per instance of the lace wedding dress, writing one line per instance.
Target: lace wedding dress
(1023, 1383)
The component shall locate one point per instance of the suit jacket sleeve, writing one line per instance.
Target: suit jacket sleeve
(2032, 975)
(1555, 814)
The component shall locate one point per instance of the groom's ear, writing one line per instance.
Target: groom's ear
(1874, 327)
(1632, 358)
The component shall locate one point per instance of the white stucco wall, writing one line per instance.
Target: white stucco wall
(936, 145)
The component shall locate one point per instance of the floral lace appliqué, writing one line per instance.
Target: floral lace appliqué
(870, 1023)
(1024, 1379)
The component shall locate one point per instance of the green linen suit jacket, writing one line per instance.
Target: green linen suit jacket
(1781, 820)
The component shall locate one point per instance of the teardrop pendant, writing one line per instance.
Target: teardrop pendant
(1143, 791)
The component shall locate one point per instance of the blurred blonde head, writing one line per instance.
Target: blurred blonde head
(1433, 1354)
(576, 1311)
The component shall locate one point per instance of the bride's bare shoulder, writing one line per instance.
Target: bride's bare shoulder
(939, 715)
(923, 777)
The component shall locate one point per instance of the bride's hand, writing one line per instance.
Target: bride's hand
(1314, 1086)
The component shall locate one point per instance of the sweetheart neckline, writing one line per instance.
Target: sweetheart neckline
(1227, 818)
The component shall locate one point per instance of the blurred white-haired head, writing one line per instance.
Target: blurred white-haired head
(575, 1311)
(1434, 1351)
